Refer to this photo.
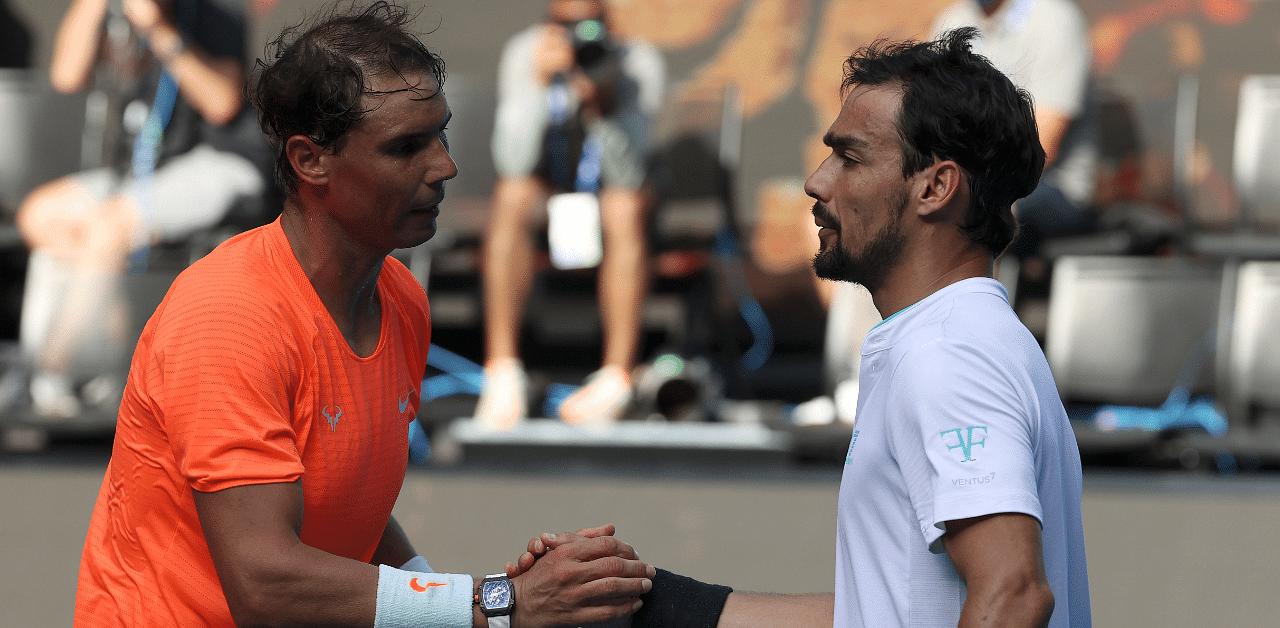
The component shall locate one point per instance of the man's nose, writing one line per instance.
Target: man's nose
(817, 186)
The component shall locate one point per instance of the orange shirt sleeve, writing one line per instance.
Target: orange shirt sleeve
(223, 379)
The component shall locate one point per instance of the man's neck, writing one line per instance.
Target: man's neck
(922, 273)
(343, 274)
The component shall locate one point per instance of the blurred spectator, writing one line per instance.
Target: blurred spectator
(1043, 46)
(572, 127)
(178, 150)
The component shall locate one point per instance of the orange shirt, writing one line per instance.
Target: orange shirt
(241, 377)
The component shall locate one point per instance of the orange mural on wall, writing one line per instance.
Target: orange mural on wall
(1112, 32)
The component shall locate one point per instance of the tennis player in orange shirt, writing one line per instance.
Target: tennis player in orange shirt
(263, 436)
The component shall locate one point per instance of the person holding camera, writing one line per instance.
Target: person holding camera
(574, 107)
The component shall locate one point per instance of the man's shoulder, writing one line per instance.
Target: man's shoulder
(976, 320)
(242, 276)
(402, 281)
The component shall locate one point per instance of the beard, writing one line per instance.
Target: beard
(869, 267)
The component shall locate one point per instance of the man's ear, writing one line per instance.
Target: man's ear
(939, 186)
(307, 159)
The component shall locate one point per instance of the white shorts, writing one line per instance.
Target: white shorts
(190, 192)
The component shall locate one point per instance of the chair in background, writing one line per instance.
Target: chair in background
(1130, 341)
(1248, 361)
(1121, 328)
(1256, 234)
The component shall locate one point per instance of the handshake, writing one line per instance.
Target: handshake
(590, 577)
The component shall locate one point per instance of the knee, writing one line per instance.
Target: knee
(39, 214)
(622, 215)
(514, 199)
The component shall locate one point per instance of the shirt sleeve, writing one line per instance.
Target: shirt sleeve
(1057, 73)
(522, 115)
(228, 369)
(963, 440)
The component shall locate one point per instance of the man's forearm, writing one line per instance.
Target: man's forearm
(760, 610)
(75, 49)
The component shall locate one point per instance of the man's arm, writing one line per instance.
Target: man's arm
(213, 85)
(741, 610)
(1000, 559)
(394, 549)
(1053, 128)
(75, 49)
(268, 574)
(270, 577)
(761, 610)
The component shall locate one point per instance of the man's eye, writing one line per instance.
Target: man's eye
(848, 160)
(407, 148)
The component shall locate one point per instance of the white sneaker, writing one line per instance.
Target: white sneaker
(53, 397)
(601, 400)
(504, 398)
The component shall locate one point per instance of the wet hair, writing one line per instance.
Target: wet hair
(957, 106)
(316, 73)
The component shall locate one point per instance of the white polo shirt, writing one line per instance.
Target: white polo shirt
(958, 417)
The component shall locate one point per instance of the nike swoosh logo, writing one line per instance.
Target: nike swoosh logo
(404, 402)
(420, 588)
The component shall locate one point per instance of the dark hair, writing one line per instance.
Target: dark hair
(957, 106)
(316, 73)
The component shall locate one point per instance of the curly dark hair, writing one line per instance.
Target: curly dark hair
(957, 106)
(316, 73)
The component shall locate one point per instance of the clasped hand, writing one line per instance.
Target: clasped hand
(590, 577)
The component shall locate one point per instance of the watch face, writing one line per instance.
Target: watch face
(496, 594)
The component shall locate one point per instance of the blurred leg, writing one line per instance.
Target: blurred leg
(623, 282)
(508, 275)
(79, 246)
(624, 274)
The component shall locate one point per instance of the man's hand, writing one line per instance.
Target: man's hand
(539, 545)
(145, 15)
(554, 53)
(584, 580)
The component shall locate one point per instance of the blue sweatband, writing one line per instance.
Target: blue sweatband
(418, 563)
(414, 599)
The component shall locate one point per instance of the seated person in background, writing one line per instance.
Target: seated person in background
(1043, 46)
(563, 83)
(175, 159)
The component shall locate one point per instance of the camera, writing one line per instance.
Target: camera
(593, 50)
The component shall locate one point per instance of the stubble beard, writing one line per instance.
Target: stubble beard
(871, 266)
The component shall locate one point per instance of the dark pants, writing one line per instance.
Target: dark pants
(1047, 213)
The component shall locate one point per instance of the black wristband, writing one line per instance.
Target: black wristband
(677, 601)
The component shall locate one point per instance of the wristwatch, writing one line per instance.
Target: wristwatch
(497, 599)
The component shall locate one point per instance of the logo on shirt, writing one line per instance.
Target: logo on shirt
(404, 401)
(421, 588)
(332, 418)
(962, 437)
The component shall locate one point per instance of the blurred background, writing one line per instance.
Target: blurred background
(1159, 321)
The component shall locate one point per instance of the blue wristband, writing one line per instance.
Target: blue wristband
(412, 599)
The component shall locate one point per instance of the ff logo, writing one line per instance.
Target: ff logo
(421, 588)
(964, 440)
(332, 419)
